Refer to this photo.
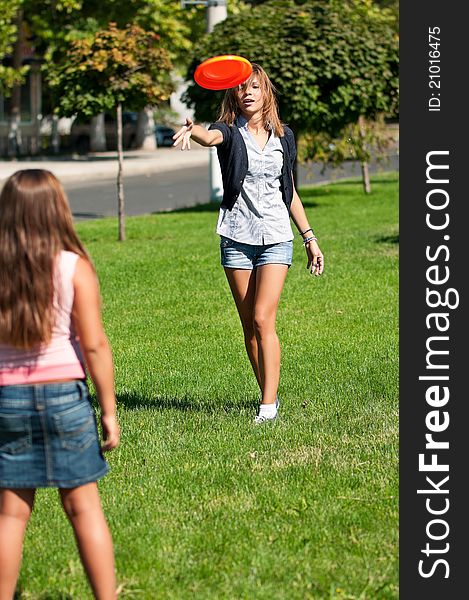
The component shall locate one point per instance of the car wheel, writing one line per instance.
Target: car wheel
(83, 144)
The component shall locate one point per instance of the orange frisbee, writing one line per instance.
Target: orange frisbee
(222, 72)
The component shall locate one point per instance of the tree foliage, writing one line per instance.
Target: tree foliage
(357, 141)
(174, 26)
(332, 61)
(45, 21)
(55, 23)
(112, 66)
(9, 76)
(103, 71)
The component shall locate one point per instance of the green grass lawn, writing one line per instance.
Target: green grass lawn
(201, 502)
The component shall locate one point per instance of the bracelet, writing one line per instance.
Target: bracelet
(306, 231)
(309, 239)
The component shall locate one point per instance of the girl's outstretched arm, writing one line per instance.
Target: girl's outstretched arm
(202, 136)
(95, 347)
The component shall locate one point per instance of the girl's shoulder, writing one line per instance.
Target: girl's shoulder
(67, 262)
(226, 131)
(288, 142)
(68, 257)
(221, 126)
(289, 137)
(287, 132)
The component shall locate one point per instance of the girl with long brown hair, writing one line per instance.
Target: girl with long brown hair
(256, 152)
(50, 332)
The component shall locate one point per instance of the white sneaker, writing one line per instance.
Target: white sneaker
(258, 419)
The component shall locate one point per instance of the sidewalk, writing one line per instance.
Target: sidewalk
(103, 165)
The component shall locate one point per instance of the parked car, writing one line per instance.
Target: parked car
(81, 130)
(164, 135)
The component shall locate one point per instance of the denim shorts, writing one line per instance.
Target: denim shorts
(236, 255)
(48, 436)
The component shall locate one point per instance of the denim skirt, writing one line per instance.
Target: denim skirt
(48, 436)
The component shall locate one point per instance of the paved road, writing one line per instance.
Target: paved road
(143, 194)
(174, 189)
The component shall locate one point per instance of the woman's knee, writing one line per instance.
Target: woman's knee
(77, 501)
(249, 331)
(17, 503)
(247, 324)
(263, 323)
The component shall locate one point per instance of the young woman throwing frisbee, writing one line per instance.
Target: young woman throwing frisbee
(256, 154)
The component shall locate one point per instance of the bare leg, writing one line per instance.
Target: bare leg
(269, 285)
(16, 506)
(243, 287)
(83, 507)
(257, 294)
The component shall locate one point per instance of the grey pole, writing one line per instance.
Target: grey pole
(216, 12)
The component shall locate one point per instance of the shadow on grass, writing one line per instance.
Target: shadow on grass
(344, 188)
(376, 181)
(307, 191)
(46, 596)
(322, 187)
(384, 181)
(388, 239)
(132, 401)
(87, 215)
(210, 207)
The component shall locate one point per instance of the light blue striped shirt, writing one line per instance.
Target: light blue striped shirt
(260, 215)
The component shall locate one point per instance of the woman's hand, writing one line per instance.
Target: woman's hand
(315, 258)
(111, 432)
(184, 135)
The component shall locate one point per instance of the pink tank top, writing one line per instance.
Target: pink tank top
(61, 358)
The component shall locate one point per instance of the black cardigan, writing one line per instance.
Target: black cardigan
(233, 158)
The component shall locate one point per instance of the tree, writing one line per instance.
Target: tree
(334, 62)
(177, 27)
(106, 70)
(12, 75)
(25, 21)
(8, 35)
(54, 24)
(358, 141)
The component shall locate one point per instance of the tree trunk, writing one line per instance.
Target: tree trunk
(36, 106)
(97, 134)
(364, 163)
(366, 177)
(120, 176)
(14, 129)
(55, 138)
(145, 138)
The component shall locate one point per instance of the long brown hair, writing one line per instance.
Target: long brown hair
(35, 225)
(229, 108)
